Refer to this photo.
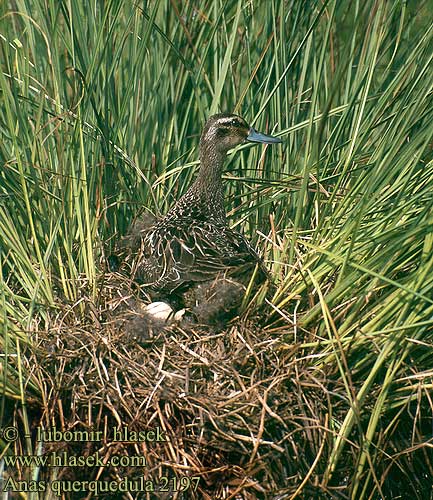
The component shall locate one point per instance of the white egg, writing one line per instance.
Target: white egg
(159, 310)
(179, 314)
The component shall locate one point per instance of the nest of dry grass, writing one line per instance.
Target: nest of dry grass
(236, 407)
(233, 412)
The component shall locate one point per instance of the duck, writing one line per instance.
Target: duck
(193, 243)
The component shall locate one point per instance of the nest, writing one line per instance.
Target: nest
(231, 412)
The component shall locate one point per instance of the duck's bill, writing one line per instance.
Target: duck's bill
(255, 136)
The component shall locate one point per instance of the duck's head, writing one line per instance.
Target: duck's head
(225, 131)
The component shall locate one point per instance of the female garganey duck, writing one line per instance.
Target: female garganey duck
(192, 243)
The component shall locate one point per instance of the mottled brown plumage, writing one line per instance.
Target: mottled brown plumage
(192, 242)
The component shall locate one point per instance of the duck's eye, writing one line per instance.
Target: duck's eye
(234, 122)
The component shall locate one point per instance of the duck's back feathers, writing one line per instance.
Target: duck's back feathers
(179, 255)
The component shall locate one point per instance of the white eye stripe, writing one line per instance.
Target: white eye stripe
(230, 121)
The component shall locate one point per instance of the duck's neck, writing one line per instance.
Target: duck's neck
(211, 168)
(208, 184)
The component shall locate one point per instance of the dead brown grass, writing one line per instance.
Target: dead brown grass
(239, 406)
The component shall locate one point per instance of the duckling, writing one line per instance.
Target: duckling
(193, 243)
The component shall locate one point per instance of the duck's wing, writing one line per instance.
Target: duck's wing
(177, 256)
(245, 249)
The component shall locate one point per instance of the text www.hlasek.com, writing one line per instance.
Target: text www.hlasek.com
(63, 459)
